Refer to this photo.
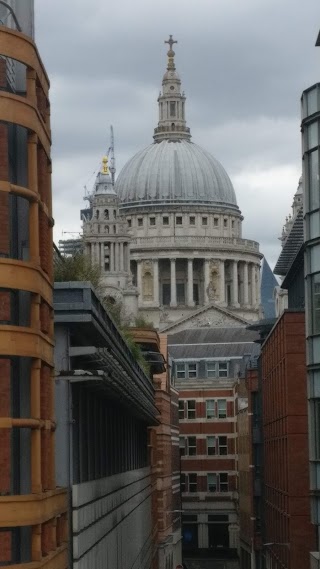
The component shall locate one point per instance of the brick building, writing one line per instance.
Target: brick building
(33, 510)
(205, 365)
(250, 467)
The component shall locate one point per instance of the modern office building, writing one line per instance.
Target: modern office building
(205, 367)
(310, 108)
(116, 439)
(33, 525)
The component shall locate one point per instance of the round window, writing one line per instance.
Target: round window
(172, 88)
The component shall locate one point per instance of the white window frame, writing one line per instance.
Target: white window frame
(223, 369)
(223, 446)
(181, 374)
(212, 482)
(192, 447)
(213, 371)
(212, 445)
(192, 374)
(211, 410)
(221, 414)
(190, 411)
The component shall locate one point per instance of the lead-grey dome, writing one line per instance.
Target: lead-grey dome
(175, 172)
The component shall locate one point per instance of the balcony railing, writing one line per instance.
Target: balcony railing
(193, 242)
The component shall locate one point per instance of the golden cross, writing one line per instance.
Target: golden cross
(170, 41)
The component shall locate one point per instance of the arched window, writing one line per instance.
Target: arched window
(173, 126)
(147, 286)
(106, 228)
(106, 214)
(97, 214)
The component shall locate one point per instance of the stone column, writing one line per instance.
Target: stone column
(206, 280)
(258, 292)
(97, 251)
(139, 281)
(190, 300)
(102, 255)
(222, 284)
(121, 257)
(92, 252)
(245, 284)
(235, 299)
(173, 297)
(116, 257)
(253, 285)
(156, 282)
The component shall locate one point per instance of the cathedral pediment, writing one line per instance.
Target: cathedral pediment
(206, 317)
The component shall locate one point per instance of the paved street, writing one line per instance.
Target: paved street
(212, 563)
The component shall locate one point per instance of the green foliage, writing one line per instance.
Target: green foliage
(135, 350)
(77, 268)
(141, 322)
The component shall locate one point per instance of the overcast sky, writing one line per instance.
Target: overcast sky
(243, 64)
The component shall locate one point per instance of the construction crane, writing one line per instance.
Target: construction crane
(112, 160)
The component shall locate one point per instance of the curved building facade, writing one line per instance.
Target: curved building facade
(188, 258)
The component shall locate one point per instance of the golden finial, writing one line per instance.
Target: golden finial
(105, 169)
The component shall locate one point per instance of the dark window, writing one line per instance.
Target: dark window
(223, 482)
(204, 221)
(192, 482)
(191, 407)
(225, 223)
(165, 220)
(166, 294)
(192, 446)
(178, 220)
(140, 221)
(182, 446)
(181, 370)
(152, 220)
(129, 221)
(223, 369)
(192, 371)
(106, 214)
(181, 299)
(216, 222)
(223, 445)
(192, 220)
(181, 409)
(183, 482)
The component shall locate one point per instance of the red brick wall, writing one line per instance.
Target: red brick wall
(286, 472)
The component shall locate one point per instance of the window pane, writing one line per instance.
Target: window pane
(315, 279)
(210, 405)
(314, 221)
(172, 109)
(211, 445)
(191, 409)
(182, 446)
(181, 409)
(181, 299)
(181, 372)
(223, 445)
(211, 369)
(192, 370)
(312, 101)
(183, 482)
(315, 258)
(223, 369)
(212, 482)
(223, 482)
(314, 180)
(222, 408)
(192, 482)
(313, 138)
(192, 446)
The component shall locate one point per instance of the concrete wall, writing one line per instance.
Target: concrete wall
(112, 522)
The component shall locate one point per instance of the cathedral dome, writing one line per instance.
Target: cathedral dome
(175, 171)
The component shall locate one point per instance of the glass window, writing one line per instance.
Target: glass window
(223, 445)
(314, 225)
(204, 221)
(192, 220)
(312, 101)
(314, 187)
(172, 109)
(223, 482)
(211, 369)
(210, 409)
(181, 371)
(315, 258)
(211, 445)
(178, 220)
(192, 371)
(216, 222)
(152, 220)
(212, 482)
(165, 220)
(192, 446)
(222, 408)
(182, 446)
(315, 280)
(140, 221)
(192, 482)
(183, 482)
(181, 409)
(223, 369)
(191, 406)
(313, 135)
